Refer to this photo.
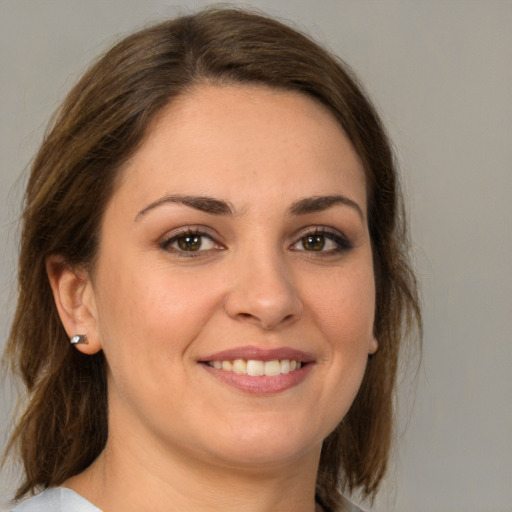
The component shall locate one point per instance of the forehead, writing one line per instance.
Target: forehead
(244, 141)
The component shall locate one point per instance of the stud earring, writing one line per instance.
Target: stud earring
(78, 339)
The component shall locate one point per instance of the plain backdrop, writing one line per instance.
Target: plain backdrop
(440, 72)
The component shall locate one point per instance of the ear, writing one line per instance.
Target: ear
(75, 300)
(373, 345)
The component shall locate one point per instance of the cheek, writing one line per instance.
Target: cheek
(347, 316)
(346, 322)
(150, 314)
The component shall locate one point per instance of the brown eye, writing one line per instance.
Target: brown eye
(324, 241)
(189, 243)
(313, 242)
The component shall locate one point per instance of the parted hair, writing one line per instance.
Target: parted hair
(101, 123)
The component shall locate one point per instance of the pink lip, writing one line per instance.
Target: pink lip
(261, 385)
(252, 352)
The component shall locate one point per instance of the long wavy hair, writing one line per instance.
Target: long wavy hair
(99, 126)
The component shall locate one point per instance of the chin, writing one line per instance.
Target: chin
(269, 443)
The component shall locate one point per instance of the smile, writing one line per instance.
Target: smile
(257, 368)
(259, 371)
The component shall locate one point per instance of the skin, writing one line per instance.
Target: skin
(180, 438)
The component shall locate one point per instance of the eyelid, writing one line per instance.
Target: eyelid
(170, 237)
(331, 233)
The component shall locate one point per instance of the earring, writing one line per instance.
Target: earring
(78, 339)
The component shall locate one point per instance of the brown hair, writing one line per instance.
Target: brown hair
(100, 125)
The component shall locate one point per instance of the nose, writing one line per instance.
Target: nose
(263, 293)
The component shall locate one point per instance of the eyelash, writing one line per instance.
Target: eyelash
(341, 241)
(188, 232)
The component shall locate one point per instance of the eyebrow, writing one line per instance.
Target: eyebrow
(321, 203)
(219, 207)
(201, 203)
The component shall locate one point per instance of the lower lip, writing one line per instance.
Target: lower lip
(261, 385)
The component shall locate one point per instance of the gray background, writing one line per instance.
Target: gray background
(440, 72)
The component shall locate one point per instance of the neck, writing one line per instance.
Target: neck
(129, 477)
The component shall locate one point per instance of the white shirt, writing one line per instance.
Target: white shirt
(56, 499)
(59, 499)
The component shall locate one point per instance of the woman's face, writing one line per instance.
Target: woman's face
(235, 245)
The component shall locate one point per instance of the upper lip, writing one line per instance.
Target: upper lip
(260, 354)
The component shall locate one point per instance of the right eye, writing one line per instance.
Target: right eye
(189, 241)
(322, 241)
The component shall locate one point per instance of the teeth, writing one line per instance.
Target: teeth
(272, 368)
(256, 368)
(239, 366)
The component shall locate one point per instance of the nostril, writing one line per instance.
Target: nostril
(262, 303)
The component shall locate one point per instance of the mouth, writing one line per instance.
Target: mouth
(258, 371)
(257, 368)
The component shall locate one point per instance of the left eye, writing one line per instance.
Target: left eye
(189, 242)
(321, 242)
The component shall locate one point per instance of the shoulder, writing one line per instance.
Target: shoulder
(354, 508)
(349, 506)
(346, 505)
(56, 499)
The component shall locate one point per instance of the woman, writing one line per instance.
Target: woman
(213, 279)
